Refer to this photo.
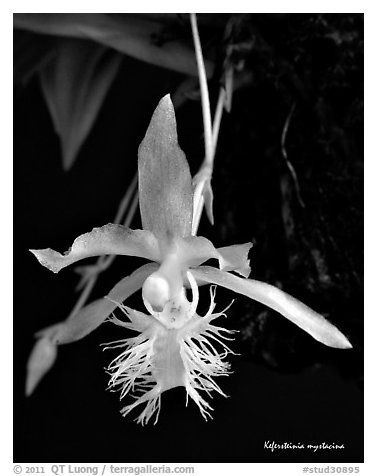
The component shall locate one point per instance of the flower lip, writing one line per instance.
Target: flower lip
(159, 358)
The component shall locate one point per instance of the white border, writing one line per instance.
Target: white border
(6, 211)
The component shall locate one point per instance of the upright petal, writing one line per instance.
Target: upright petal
(165, 188)
(297, 312)
(94, 314)
(106, 240)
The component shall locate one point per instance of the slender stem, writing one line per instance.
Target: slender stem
(198, 207)
(132, 210)
(83, 296)
(218, 117)
(207, 123)
(203, 90)
(107, 260)
(198, 193)
(203, 178)
(126, 200)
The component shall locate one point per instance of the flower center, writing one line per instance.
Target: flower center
(172, 309)
(156, 291)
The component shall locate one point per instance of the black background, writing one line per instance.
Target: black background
(285, 387)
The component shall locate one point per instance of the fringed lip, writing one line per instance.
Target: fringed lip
(159, 358)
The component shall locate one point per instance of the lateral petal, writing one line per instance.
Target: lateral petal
(195, 250)
(235, 258)
(107, 240)
(291, 308)
(94, 314)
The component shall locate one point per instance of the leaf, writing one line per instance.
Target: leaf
(125, 33)
(107, 240)
(165, 189)
(94, 314)
(291, 308)
(40, 361)
(74, 85)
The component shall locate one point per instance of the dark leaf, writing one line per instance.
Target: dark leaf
(128, 34)
(74, 85)
(30, 54)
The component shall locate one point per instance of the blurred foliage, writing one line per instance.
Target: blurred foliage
(312, 63)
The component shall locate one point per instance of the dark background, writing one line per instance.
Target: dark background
(285, 386)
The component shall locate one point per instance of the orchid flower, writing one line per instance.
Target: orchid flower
(174, 346)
